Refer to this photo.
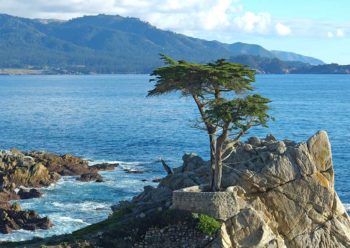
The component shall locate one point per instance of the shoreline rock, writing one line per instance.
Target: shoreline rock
(12, 217)
(283, 194)
(105, 166)
(29, 194)
(35, 170)
(91, 176)
(287, 196)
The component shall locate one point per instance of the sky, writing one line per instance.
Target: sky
(314, 28)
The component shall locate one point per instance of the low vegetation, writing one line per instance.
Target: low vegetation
(207, 224)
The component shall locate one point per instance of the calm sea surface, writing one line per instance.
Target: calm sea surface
(109, 118)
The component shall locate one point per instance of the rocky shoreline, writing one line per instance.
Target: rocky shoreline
(22, 173)
(283, 194)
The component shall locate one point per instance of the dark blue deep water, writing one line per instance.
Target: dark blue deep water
(109, 118)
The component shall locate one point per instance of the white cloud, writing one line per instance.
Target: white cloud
(340, 32)
(193, 15)
(251, 22)
(330, 34)
(282, 30)
(224, 20)
(179, 15)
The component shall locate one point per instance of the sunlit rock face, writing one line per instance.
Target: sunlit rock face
(288, 197)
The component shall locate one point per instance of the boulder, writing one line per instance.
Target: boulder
(65, 165)
(191, 162)
(105, 166)
(28, 194)
(254, 141)
(40, 169)
(92, 176)
(13, 218)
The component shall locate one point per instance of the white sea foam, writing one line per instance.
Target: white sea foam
(69, 219)
(134, 163)
(83, 206)
(56, 184)
(347, 206)
(18, 235)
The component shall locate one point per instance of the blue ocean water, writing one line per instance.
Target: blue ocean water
(109, 118)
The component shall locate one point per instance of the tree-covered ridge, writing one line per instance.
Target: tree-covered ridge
(114, 44)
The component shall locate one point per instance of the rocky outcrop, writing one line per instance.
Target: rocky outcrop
(105, 166)
(92, 176)
(286, 194)
(29, 194)
(66, 165)
(291, 188)
(277, 194)
(35, 169)
(40, 169)
(12, 217)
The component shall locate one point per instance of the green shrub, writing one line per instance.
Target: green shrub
(207, 224)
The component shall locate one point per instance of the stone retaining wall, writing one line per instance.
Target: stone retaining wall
(219, 205)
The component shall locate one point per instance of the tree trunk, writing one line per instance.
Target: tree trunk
(218, 157)
(218, 167)
(212, 140)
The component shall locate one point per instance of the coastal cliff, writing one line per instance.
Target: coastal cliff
(283, 194)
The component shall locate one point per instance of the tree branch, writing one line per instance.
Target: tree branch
(200, 106)
(228, 155)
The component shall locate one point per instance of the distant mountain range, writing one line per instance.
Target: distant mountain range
(115, 44)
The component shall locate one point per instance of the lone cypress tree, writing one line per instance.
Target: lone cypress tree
(215, 88)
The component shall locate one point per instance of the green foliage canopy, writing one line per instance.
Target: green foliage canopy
(239, 113)
(201, 79)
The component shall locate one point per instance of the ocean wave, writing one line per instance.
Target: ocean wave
(56, 184)
(17, 235)
(347, 206)
(85, 206)
(65, 219)
(133, 163)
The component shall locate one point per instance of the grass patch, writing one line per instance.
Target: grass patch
(207, 224)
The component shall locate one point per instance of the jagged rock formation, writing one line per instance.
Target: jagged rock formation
(92, 176)
(286, 194)
(290, 189)
(105, 166)
(283, 195)
(12, 217)
(40, 169)
(35, 169)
